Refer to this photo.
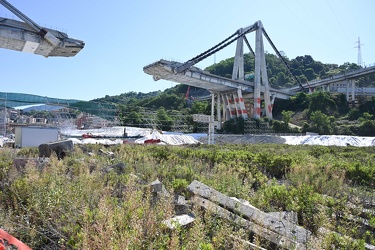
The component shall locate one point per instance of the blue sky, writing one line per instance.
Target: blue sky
(123, 36)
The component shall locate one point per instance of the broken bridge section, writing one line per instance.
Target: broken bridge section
(282, 232)
(28, 36)
(15, 35)
(239, 96)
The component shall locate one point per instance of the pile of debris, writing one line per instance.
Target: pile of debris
(279, 228)
(276, 228)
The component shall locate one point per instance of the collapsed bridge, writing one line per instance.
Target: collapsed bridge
(241, 96)
(237, 96)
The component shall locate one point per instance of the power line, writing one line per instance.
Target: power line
(337, 20)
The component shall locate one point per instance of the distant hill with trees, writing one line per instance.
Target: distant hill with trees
(319, 112)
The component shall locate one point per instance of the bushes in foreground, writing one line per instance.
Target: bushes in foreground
(78, 203)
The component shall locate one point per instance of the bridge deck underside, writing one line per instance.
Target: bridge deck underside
(198, 78)
(195, 77)
(15, 35)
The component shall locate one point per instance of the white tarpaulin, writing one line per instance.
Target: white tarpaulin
(168, 139)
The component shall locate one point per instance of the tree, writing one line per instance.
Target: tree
(321, 122)
(301, 101)
(287, 116)
(366, 117)
(235, 126)
(281, 79)
(368, 106)
(200, 108)
(297, 72)
(280, 127)
(164, 119)
(342, 104)
(367, 128)
(321, 101)
(310, 74)
(134, 118)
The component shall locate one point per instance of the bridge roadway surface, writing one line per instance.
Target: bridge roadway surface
(196, 77)
(14, 100)
(337, 78)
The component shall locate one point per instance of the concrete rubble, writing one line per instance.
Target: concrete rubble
(20, 163)
(118, 168)
(179, 220)
(277, 230)
(273, 228)
(61, 148)
(107, 153)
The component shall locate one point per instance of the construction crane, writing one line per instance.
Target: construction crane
(28, 36)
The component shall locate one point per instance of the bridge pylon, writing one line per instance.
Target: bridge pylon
(261, 84)
(240, 97)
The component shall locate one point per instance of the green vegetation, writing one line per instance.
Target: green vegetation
(77, 203)
(324, 113)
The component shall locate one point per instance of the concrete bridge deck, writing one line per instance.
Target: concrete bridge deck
(196, 77)
(337, 78)
(19, 36)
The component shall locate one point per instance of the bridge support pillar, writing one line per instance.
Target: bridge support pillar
(238, 65)
(260, 77)
(236, 105)
(226, 114)
(257, 79)
(350, 90)
(353, 90)
(240, 104)
(211, 124)
(230, 110)
(218, 110)
(347, 90)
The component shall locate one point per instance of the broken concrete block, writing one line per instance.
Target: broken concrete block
(20, 163)
(158, 191)
(61, 148)
(158, 188)
(119, 168)
(246, 203)
(286, 215)
(180, 220)
(107, 153)
(280, 226)
(259, 229)
(180, 205)
(179, 199)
